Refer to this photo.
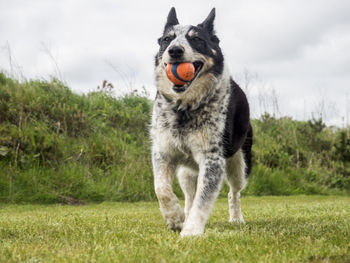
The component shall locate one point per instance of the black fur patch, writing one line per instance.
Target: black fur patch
(165, 40)
(205, 42)
(212, 177)
(247, 150)
(238, 130)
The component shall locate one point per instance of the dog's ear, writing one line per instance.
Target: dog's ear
(208, 23)
(172, 19)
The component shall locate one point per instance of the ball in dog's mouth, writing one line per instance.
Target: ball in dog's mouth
(198, 65)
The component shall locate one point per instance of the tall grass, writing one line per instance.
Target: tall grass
(58, 146)
(298, 157)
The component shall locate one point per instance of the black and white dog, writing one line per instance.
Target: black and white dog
(200, 130)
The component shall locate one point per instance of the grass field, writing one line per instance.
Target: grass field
(277, 229)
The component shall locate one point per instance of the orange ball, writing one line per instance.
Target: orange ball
(180, 73)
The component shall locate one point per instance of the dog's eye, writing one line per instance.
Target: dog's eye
(197, 39)
(166, 39)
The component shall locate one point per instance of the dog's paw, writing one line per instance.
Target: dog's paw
(175, 226)
(191, 230)
(190, 233)
(175, 223)
(239, 220)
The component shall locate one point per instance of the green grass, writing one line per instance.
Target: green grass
(277, 229)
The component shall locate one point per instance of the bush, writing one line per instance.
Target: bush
(58, 146)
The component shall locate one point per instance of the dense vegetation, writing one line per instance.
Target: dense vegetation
(58, 146)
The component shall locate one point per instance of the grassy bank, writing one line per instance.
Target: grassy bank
(277, 229)
(56, 145)
(60, 147)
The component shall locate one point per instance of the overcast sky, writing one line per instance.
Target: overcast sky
(294, 50)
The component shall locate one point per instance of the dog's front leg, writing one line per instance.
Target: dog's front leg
(169, 204)
(211, 174)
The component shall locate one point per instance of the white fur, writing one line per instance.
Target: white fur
(236, 179)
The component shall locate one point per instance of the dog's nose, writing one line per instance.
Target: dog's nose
(176, 51)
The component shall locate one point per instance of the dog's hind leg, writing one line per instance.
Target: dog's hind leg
(188, 182)
(169, 204)
(236, 178)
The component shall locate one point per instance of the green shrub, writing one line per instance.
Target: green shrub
(58, 146)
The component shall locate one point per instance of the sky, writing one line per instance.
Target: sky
(290, 56)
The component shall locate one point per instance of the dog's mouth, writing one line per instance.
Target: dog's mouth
(198, 65)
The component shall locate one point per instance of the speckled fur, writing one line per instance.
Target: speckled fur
(187, 137)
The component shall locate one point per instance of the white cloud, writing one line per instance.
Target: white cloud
(298, 47)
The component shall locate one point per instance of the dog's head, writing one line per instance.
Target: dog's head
(196, 44)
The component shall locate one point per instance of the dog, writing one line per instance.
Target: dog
(200, 131)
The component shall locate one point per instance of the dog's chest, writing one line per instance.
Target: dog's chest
(184, 132)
